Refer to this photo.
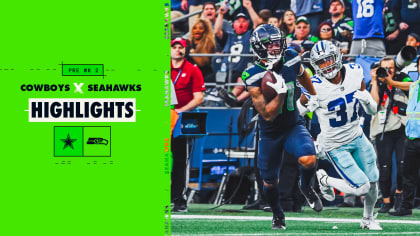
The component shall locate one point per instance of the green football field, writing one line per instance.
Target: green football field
(232, 220)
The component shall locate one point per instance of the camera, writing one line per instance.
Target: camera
(382, 72)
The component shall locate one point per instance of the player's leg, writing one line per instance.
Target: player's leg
(269, 159)
(365, 158)
(299, 143)
(353, 180)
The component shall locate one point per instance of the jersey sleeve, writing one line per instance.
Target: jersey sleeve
(197, 80)
(252, 76)
(292, 60)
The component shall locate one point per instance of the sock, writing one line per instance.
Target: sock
(370, 200)
(306, 176)
(272, 197)
(345, 187)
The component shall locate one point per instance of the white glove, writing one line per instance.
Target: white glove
(313, 103)
(320, 151)
(301, 108)
(280, 85)
(367, 102)
(363, 96)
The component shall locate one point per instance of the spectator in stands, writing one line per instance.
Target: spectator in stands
(311, 9)
(411, 165)
(278, 8)
(237, 43)
(202, 40)
(407, 16)
(325, 32)
(193, 6)
(413, 40)
(393, 39)
(288, 23)
(209, 12)
(274, 21)
(368, 32)
(189, 87)
(341, 24)
(264, 15)
(389, 90)
(180, 27)
(301, 36)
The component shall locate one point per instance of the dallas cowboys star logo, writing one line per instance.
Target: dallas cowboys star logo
(68, 142)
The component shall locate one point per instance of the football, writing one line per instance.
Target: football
(268, 92)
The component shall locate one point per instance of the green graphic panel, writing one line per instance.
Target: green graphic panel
(49, 189)
(97, 141)
(68, 141)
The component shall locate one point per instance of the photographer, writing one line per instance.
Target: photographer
(390, 91)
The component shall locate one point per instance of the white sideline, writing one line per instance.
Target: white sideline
(245, 218)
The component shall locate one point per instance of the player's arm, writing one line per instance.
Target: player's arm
(305, 80)
(197, 100)
(302, 105)
(269, 111)
(366, 100)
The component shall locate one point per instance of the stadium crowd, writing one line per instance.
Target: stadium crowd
(226, 27)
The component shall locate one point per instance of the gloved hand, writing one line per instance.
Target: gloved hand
(363, 96)
(280, 85)
(313, 103)
(320, 151)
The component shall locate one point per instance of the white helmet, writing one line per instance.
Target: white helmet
(326, 52)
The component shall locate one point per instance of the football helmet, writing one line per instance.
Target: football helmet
(268, 43)
(326, 59)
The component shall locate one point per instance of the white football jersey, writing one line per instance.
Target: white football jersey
(338, 109)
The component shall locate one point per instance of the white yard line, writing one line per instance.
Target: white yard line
(267, 218)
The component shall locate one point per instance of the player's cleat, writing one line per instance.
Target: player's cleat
(370, 223)
(180, 208)
(312, 198)
(327, 192)
(385, 208)
(279, 222)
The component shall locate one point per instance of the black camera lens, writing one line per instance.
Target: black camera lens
(382, 72)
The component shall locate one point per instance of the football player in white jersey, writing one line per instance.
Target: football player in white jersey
(340, 90)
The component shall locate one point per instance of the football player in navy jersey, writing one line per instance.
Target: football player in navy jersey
(281, 129)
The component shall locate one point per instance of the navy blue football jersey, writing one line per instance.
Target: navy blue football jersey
(289, 70)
